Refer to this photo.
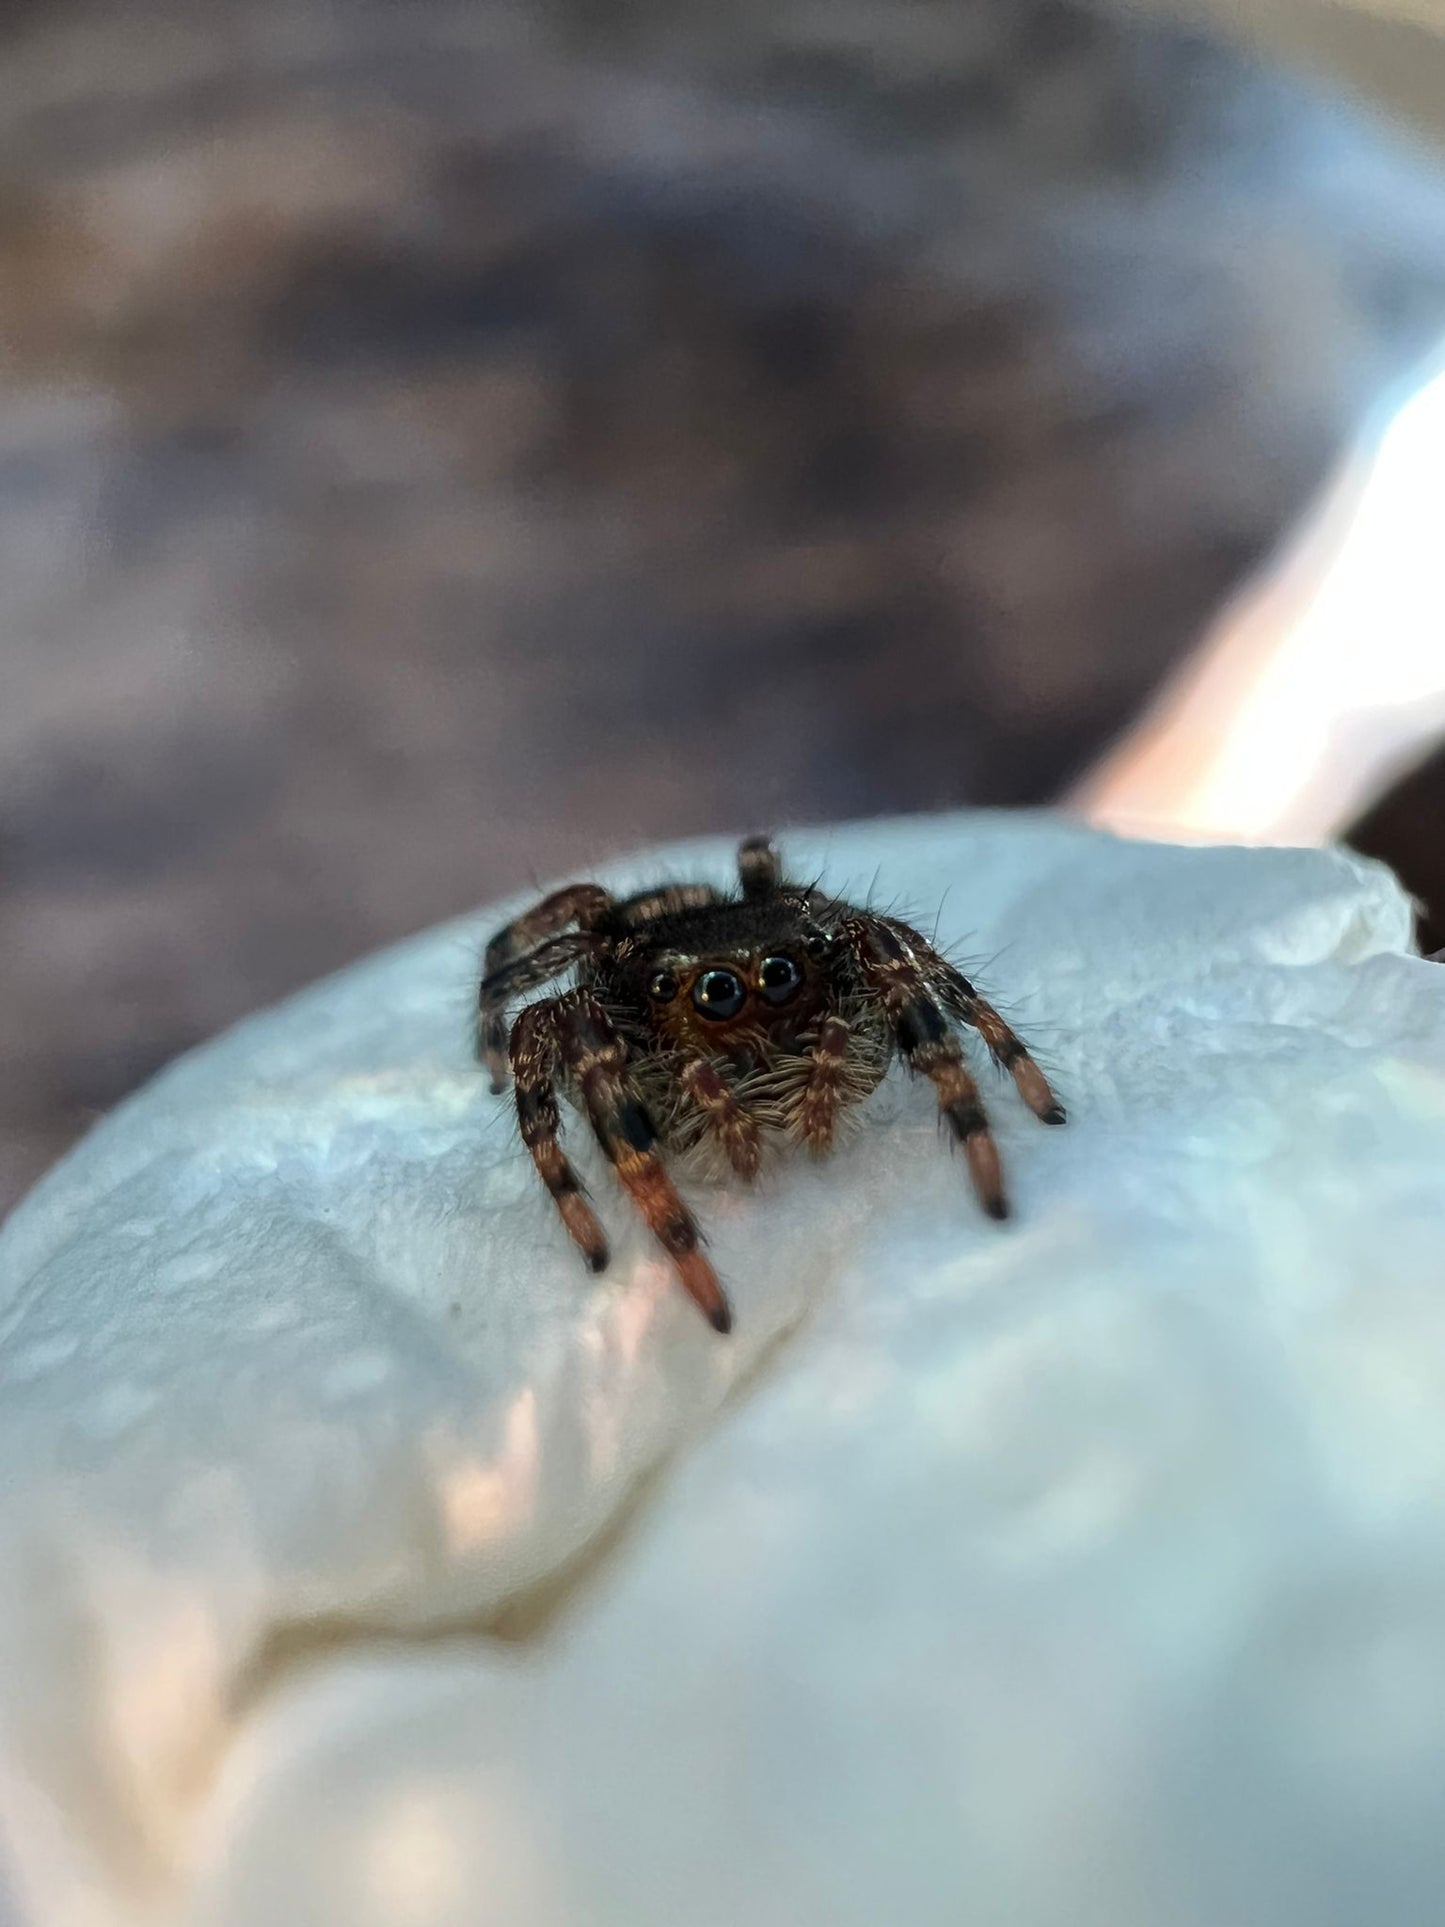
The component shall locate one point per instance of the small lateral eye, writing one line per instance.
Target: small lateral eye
(816, 944)
(719, 994)
(663, 987)
(779, 978)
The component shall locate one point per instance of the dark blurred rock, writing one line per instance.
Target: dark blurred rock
(1406, 829)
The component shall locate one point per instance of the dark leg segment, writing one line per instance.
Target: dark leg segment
(636, 911)
(1005, 1046)
(597, 1058)
(534, 1068)
(1009, 1050)
(503, 975)
(510, 980)
(759, 870)
(930, 1047)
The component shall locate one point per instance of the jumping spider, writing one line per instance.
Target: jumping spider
(699, 1020)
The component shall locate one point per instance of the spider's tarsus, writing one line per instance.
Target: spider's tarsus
(598, 1260)
(699, 1281)
(498, 1087)
(1057, 1115)
(983, 1168)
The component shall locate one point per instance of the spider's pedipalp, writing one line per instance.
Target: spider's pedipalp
(534, 1056)
(759, 867)
(596, 1057)
(734, 1129)
(927, 1045)
(825, 1089)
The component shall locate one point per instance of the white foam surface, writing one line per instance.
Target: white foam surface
(1085, 1569)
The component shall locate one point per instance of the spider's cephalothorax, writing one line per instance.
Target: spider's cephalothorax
(698, 1021)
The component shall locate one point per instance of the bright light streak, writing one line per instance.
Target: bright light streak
(1322, 682)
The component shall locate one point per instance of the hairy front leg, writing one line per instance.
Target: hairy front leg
(596, 1057)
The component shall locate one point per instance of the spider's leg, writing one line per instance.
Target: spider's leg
(726, 1118)
(597, 1058)
(579, 903)
(510, 980)
(928, 1045)
(648, 905)
(534, 1054)
(759, 868)
(1008, 1049)
(1005, 1046)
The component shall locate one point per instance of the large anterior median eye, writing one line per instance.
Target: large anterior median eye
(719, 993)
(780, 978)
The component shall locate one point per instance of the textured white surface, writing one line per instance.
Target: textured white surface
(1088, 1569)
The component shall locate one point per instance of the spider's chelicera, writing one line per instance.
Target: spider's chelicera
(697, 1020)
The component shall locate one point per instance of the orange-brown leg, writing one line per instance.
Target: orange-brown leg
(508, 969)
(735, 1129)
(597, 1058)
(927, 1045)
(1009, 1050)
(534, 1069)
(1005, 1046)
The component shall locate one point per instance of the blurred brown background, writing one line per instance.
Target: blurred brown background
(442, 444)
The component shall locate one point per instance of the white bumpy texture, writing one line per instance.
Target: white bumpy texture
(364, 1562)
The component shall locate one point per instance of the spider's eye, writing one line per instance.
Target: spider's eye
(816, 944)
(663, 987)
(719, 993)
(780, 978)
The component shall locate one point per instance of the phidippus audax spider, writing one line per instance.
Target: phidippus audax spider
(699, 1021)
